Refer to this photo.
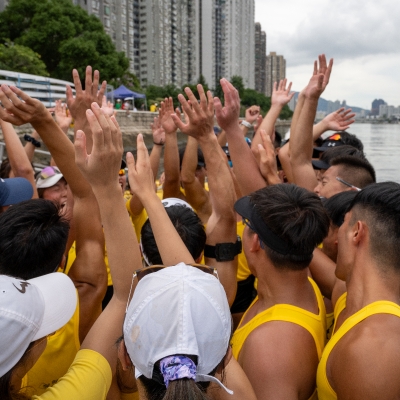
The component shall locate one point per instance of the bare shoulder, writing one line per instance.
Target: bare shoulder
(280, 359)
(365, 362)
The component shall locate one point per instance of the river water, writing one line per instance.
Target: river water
(382, 148)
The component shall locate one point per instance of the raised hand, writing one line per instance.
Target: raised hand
(268, 165)
(140, 174)
(199, 117)
(18, 108)
(158, 132)
(166, 109)
(339, 120)
(84, 98)
(252, 114)
(281, 94)
(258, 123)
(320, 79)
(107, 107)
(228, 115)
(100, 167)
(63, 117)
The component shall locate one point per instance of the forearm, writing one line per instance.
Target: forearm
(319, 129)
(189, 162)
(171, 166)
(62, 150)
(117, 225)
(268, 124)
(244, 164)
(169, 243)
(19, 161)
(30, 148)
(284, 158)
(222, 140)
(155, 157)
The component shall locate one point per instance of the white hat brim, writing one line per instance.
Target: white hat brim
(60, 300)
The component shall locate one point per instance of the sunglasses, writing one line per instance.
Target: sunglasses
(139, 274)
(121, 172)
(348, 184)
(48, 172)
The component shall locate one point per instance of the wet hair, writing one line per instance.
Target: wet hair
(351, 140)
(33, 237)
(5, 169)
(339, 151)
(180, 389)
(378, 205)
(357, 171)
(295, 215)
(187, 224)
(338, 205)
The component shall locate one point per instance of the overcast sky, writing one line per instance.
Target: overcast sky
(362, 36)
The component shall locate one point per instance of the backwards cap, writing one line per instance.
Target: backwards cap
(31, 310)
(178, 310)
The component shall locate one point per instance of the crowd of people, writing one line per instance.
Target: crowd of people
(253, 268)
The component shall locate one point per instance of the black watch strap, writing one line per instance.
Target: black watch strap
(223, 251)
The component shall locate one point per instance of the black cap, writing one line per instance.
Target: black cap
(334, 140)
(319, 164)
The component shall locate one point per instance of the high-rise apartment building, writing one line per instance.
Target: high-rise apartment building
(119, 23)
(276, 70)
(260, 53)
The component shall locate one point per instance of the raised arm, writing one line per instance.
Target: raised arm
(221, 227)
(195, 193)
(19, 160)
(83, 98)
(30, 146)
(169, 243)
(251, 116)
(63, 117)
(172, 184)
(339, 120)
(301, 135)
(280, 97)
(101, 168)
(244, 163)
(268, 164)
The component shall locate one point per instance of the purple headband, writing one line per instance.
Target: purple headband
(177, 367)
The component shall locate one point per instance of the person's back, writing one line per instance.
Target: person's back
(362, 359)
(285, 224)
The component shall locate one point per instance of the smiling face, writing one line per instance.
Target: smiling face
(57, 193)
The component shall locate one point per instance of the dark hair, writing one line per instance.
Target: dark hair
(33, 237)
(200, 156)
(181, 389)
(351, 140)
(187, 224)
(295, 215)
(338, 205)
(278, 139)
(5, 169)
(338, 151)
(357, 171)
(379, 205)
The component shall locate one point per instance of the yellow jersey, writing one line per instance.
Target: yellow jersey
(56, 359)
(325, 391)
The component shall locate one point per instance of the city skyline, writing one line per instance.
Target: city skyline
(362, 41)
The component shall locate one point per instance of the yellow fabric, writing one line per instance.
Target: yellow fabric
(325, 391)
(243, 268)
(88, 378)
(330, 319)
(315, 324)
(58, 356)
(137, 220)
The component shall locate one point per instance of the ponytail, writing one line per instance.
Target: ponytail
(185, 389)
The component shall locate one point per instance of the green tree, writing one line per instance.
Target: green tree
(286, 113)
(14, 57)
(64, 35)
(129, 80)
(237, 81)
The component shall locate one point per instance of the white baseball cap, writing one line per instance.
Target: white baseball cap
(178, 310)
(48, 177)
(174, 201)
(31, 310)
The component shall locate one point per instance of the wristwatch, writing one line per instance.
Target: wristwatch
(223, 251)
(248, 125)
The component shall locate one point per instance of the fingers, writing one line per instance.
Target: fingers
(177, 120)
(88, 80)
(80, 149)
(315, 68)
(185, 106)
(77, 81)
(95, 85)
(69, 94)
(217, 106)
(102, 90)
(203, 98)
(101, 137)
(142, 154)
(12, 103)
(193, 101)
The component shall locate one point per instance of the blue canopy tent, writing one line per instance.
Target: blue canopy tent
(123, 92)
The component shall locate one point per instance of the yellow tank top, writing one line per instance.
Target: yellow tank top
(58, 356)
(243, 271)
(314, 323)
(325, 391)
